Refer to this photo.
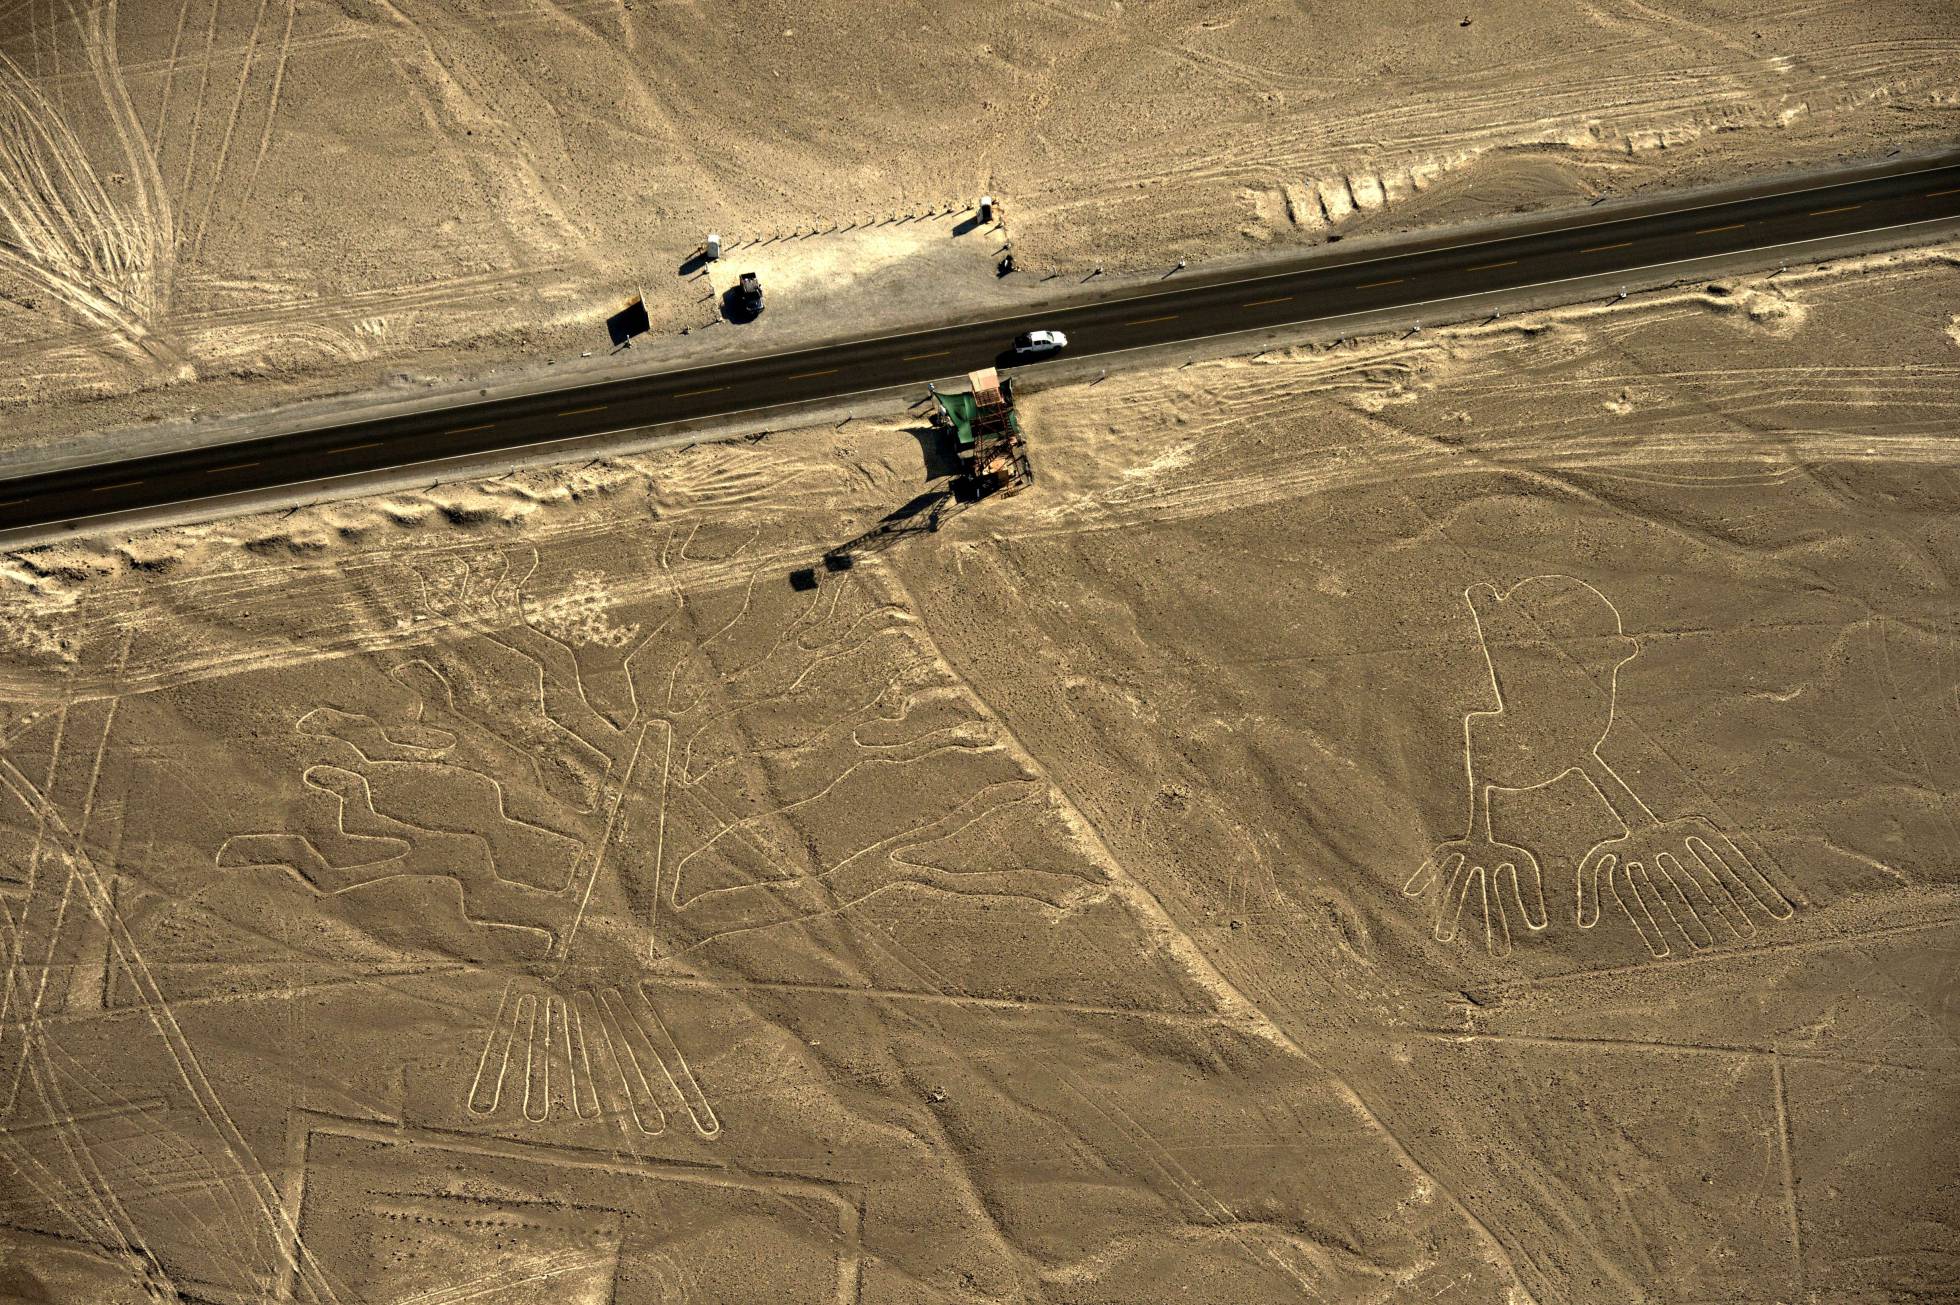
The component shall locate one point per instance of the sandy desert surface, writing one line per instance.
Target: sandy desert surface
(212, 206)
(1462, 819)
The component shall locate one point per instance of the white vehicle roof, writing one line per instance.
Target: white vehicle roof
(1046, 337)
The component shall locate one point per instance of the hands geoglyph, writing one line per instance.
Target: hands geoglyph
(1554, 646)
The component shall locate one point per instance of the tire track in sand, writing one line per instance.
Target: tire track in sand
(231, 127)
(197, 107)
(272, 108)
(169, 78)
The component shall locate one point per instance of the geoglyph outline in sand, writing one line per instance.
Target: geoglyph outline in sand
(556, 1043)
(1675, 877)
(578, 1030)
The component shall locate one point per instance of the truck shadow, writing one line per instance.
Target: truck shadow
(735, 307)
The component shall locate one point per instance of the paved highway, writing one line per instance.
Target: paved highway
(1184, 308)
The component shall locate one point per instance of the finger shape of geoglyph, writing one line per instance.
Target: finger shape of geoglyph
(1553, 646)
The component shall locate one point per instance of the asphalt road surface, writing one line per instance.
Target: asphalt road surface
(1180, 308)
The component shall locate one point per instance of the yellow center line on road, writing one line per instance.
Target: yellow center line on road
(802, 376)
(1600, 249)
(236, 466)
(1842, 208)
(1145, 321)
(915, 357)
(1370, 285)
(1709, 231)
(349, 448)
(573, 412)
(1935, 194)
(1485, 267)
(464, 430)
(688, 394)
(1258, 302)
(127, 484)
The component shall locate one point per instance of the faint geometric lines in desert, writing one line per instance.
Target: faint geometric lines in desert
(1791, 946)
(89, 885)
(437, 1176)
(1553, 646)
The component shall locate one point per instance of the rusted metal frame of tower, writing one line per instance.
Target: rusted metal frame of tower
(999, 457)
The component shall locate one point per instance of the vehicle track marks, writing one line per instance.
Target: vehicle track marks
(93, 889)
(169, 79)
(197, 107)
(105, 58)
(1718, 957)
(272, 104)
(1784, 1146)
(231, 129)
(1189, 1186)
(67, 235)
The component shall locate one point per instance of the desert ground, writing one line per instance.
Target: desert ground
(210, 207)
(1464, 818)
